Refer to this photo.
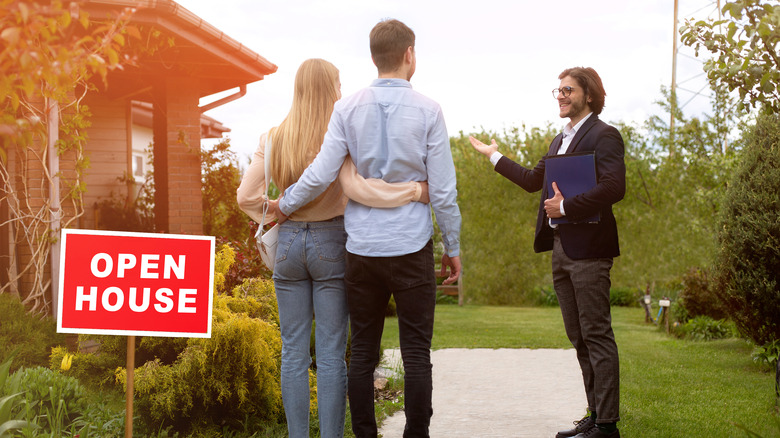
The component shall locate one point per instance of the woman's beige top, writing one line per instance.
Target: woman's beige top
(331, 203)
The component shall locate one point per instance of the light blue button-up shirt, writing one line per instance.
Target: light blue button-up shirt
(394, 133)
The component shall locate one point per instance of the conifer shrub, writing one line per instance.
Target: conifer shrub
(748, 267)
(223, 380)
(219, 381)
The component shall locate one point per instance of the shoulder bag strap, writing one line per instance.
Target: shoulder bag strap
(266, 163)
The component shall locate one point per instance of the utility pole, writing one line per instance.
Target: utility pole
(725, 107)
(673, 89)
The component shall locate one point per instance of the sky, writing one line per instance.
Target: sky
(491, 64)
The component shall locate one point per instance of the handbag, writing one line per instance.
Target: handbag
(267, 241)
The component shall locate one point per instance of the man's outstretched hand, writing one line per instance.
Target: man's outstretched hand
(454, 264)
(482, 148)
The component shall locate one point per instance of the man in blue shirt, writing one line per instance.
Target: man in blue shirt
(396, 134)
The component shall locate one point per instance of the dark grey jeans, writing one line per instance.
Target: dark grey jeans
(582, 287)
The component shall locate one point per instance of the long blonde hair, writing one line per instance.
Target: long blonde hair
(297, 140)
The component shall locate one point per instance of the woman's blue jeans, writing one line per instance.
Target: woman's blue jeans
(309, 282)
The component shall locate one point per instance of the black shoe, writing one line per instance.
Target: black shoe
(580, 426)
(595, 432)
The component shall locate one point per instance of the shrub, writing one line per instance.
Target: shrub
(698, 296)
(391, 311)
(100, 420)
(442, 298)
(54, 400)
(678, 313)
(215, 381)
(255, 297)
(623, 296)
(499, 219)
(748, 268)
(247, 262)
(544, 296)
(704, 328)
(32, 335)
(767, 354)
(92, 369)
(221, 381)
(10, 418)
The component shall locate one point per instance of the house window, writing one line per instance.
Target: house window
(139, 168)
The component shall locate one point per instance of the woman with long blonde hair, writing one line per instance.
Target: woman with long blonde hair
(309, 270)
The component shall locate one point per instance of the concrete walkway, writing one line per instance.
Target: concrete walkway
(504, 393)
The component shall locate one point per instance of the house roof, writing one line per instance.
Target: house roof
(200, 50)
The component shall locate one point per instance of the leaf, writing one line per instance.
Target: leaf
(763, 30)
(133, 32)
(11, 35)
(84, 20)
(11, 425)
(113, 57)
(65, 19)
(732, 30)
(6, 404)
(736, 11)
(119, 39)
(25, 11)
(765, 78)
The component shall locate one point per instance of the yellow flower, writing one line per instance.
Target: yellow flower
(66, 361)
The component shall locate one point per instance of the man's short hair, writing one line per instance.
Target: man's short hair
(590, 81)
(389, 40)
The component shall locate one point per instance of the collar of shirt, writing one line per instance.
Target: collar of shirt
(391, 82)
(569, 132)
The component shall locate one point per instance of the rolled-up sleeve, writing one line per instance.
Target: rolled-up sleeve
(442, 188)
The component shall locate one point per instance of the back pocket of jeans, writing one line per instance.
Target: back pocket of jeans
(286, 238)
(330, 243)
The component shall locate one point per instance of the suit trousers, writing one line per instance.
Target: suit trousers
(582, 287)
(370, 282)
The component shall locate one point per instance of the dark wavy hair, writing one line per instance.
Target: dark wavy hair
(590, 81)
(389, 40)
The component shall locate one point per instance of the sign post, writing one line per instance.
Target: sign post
(130, 387)
(135, 284)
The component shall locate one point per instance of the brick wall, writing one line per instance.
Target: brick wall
(178, 201)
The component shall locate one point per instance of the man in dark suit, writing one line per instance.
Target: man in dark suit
(582, 251)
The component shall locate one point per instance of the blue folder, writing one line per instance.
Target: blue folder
(575, 174)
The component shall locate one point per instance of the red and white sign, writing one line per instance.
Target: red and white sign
(119, 283)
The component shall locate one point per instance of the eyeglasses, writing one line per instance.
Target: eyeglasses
(566, 91)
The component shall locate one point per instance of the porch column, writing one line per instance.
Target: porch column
(178, 199)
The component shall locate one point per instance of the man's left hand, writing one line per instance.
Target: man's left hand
(454, 265)
(552, 206)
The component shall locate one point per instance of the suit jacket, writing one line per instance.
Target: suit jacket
(580, 240)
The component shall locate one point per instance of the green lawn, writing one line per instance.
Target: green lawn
(669, 387)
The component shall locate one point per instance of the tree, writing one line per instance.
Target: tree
(221, 215)
(499, 219)
(49, 58)
(748, 266)
(745, 57)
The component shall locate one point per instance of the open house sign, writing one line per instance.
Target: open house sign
(120, 283)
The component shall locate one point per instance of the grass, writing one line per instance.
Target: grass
(669, 387)
(490, 327)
